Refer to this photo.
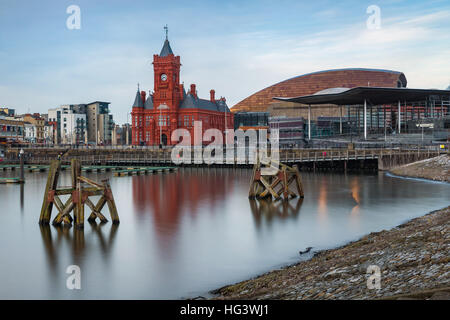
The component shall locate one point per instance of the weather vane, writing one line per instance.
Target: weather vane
(166, 28)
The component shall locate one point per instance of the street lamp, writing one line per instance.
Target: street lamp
(22, 176)
(160, 122)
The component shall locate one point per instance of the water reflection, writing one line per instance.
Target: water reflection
(75, 239)
(269, 209)
(322, 208)
(355, 188)
(167, 197)
(21, 197)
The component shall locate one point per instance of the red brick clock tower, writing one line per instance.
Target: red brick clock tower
(167, 91)
(169, 107)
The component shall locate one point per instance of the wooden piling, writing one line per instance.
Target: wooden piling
(111, 203)
(274, 180)
(78, 197)
(52, 182)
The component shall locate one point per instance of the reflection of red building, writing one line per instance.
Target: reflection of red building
(170, 107)
(169, 197)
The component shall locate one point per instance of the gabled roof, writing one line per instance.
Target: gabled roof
(138, 101)
(149, 103)
(190, 102)
(166, 49)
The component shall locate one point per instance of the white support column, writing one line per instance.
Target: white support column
(365, 119)
(340, 120)
(309, 122)
(399, 117)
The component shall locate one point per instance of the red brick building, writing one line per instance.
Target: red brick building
(169, 107)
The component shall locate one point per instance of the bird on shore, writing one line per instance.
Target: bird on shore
(306, 251)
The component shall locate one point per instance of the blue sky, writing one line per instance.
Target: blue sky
(235, 47)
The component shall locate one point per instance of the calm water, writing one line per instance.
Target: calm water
(183, 234)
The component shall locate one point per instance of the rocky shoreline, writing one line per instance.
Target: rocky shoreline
(413, 260)
(436, 169)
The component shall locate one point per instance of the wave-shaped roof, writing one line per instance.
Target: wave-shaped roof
(310, 83)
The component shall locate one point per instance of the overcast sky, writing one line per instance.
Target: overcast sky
(235, 47)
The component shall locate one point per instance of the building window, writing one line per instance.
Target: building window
(163, 120)
(186, 121)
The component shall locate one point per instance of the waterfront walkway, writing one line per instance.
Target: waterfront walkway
(382, 159)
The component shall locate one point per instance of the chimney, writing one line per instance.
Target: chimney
(143, 96)
(181, 91)
(212, 94)
(193, 91)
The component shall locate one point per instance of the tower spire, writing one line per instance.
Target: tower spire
(166, 50)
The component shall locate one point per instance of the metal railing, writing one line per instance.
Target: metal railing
(164, 156)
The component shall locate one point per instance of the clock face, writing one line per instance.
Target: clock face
(164, 77)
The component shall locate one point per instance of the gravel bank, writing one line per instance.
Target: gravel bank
(414, 262)
(437, 169)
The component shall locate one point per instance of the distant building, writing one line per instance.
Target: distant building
(327, 118)
(7, 112)
(30, 133)
(69, 124)
(290, 130)
(38, 122)
(74, 128)
(314, 82)
(82, 123)
(48, 134)
(121, 135)
(251, 120)
(99, 122)
(11, 130)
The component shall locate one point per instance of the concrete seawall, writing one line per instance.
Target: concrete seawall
(389, 161)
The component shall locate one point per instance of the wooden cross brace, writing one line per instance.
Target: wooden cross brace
(275, 182)
(78, 198)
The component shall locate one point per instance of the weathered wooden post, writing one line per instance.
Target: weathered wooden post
(111, 203)
(52, 182)
(79, 206)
